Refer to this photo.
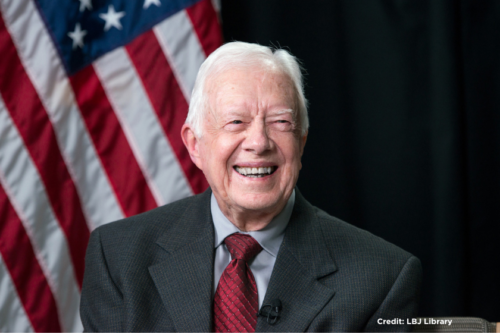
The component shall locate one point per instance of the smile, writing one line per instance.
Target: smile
(255, 172)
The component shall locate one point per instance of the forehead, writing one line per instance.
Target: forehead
(252, 85)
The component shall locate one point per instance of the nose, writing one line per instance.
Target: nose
(257, 139)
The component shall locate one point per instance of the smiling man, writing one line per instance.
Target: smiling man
(249, 254)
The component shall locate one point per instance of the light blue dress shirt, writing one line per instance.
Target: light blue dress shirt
(270, 238)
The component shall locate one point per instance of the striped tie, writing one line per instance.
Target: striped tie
(236, 301)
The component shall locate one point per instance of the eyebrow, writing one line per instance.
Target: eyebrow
(278, 112)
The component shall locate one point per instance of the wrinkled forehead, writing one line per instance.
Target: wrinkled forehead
(242, 79)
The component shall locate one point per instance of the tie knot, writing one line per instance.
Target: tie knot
(242, 246)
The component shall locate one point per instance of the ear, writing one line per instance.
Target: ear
(302, 143)
(192, 144)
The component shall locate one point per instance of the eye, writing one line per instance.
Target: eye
(236, 122)
(283, 125)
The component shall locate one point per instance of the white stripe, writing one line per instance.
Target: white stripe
(13, 318)
(216, 4)
(46, 72)
(181, 46)
(142, 127)
(27, 194)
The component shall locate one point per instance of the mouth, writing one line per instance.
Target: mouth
(255, 172)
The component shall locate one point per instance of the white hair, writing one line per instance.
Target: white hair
(243, 55)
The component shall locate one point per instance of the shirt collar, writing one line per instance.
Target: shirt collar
(270, 237)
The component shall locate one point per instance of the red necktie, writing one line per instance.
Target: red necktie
(236, 301)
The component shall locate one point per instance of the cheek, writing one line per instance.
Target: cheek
(294, 159)
(221, 153)
(290, 150)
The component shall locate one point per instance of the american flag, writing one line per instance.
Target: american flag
(93, 94)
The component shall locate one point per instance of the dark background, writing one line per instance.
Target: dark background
(404, 138)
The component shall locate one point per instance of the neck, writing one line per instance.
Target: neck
(250, 220)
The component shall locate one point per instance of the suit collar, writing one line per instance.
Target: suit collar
(304, 239)
(302, 260)
(184, 277)
(193, 224)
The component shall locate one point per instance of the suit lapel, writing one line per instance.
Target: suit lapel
(184, 277)
(302, 259)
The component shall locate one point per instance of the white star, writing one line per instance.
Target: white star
(148, 3)
(112, 18)
(77, 36)
(85, 4)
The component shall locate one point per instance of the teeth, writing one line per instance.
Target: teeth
(254, 172)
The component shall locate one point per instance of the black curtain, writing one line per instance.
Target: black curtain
(404, 138)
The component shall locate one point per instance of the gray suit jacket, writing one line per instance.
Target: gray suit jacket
(154, 271)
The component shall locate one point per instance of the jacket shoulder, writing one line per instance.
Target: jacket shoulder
(351, 245)
(374, 278)
(133, 240)
(151, 222)
(117, 279)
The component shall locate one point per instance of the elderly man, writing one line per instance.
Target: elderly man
(251, 243)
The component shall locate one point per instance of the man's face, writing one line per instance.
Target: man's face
(251, 144)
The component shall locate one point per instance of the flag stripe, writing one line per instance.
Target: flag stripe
(205, 23)
(29, 116)
(41, 61)
(112, 147)
(30, 282)
(12, 309)
(27, 194)
(141, 126)
(181, 46)
(216, 4)
(78, 152)
(158, 79)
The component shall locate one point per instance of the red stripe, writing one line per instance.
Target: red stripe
(112, 146)
(206, 25)
(30, 118)
(167, 100)
(27, 275)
